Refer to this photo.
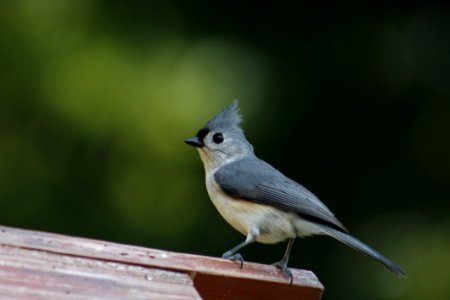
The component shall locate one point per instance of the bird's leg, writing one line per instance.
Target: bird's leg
(282, 264)
(232, 255)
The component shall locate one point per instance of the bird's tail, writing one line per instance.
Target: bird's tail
(363, 248)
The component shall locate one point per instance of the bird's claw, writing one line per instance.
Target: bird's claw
(282, 265)
(234, 257)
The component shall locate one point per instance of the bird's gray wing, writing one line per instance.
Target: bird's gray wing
(255, 180)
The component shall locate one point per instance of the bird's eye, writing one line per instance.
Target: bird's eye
(217, 138)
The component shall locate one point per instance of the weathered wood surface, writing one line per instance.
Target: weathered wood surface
(34, 274)
(39, 265)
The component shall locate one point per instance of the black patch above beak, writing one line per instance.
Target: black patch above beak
(194, 141)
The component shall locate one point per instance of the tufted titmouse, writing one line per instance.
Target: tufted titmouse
(258, 200)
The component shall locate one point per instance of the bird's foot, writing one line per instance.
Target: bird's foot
(234, 257)
(282, 265)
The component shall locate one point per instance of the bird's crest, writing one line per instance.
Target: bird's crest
(228, 118)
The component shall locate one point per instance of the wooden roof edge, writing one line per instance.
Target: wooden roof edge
(206, 272)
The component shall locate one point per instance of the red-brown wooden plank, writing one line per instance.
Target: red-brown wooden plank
(213, 277)
(35, 274)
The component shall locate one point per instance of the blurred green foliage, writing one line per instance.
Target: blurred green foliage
(351, 100)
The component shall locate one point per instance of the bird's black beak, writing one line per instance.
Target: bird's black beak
(194, 141)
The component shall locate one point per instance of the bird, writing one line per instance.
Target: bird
(258, 200)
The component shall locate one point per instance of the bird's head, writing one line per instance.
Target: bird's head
(221, 140)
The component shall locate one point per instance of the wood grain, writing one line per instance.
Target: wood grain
(40, 265)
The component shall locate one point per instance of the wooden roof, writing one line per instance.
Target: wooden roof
(39, 265)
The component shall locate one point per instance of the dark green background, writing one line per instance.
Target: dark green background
(349, 99)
